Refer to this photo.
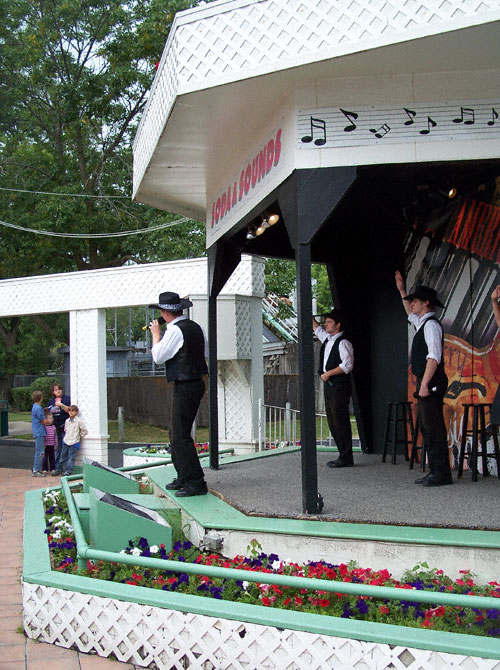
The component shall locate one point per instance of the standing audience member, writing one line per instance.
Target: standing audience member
(74, 431)
(50, 442)
(58, 406)
(336, 361)
(182, 349)
(39, 432)
(428, 367)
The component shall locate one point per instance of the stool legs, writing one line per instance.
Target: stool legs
(478, 437)
(397, 413)
(464, 441)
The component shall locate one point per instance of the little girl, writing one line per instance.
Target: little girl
(50, 439)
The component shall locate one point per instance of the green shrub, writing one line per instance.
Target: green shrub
(45, 385)
(22, 398)
(22, 394)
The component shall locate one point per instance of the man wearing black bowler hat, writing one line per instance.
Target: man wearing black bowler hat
(428, 367)
(182, 349)
(336, 361)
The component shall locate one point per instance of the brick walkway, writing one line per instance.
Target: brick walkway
(16, 651)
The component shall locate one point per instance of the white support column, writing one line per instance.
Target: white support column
(87, 331)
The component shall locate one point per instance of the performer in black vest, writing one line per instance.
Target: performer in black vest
(335, 364)
(182, 349)
(428, 367)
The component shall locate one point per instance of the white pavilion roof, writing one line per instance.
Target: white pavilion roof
(229, 62)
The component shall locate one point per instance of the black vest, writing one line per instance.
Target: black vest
(333, 361)
(189, 362)
(419, 351)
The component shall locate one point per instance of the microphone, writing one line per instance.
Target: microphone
(160, 321)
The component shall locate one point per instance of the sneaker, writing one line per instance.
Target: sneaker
(37, 473)
(55, 473)
(66, 474)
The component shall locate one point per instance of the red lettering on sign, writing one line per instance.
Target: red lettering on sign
(256, 170)
(270, 155)
(248, 178)
(277, 147)
(242, 184)
(262, 163)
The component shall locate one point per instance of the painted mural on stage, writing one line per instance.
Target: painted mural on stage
(457, 252)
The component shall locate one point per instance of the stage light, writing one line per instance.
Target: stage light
(261, 229)
(452, 193)
(273, 218)
(251, 233)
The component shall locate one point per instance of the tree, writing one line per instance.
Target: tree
(74, 77)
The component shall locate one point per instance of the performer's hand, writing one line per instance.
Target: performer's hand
(325, 376)
(400, 282)
(496, 293)
(424, 391)
(155, 328)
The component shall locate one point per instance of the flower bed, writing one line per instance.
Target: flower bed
(152, 452)
(405, 612)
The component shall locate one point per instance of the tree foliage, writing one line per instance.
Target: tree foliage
(74, 77)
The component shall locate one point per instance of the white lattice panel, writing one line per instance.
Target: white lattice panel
(230, 41)
(147, 635)
(235, 394)
(121, 287)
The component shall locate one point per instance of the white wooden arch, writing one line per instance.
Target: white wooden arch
(86, 296)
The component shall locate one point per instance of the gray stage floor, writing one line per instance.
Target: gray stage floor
(371, 491)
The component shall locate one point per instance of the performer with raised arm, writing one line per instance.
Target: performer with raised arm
(428, 367)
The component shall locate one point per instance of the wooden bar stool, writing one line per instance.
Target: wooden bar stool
(399, 419)
(416, 447)
(479, 436)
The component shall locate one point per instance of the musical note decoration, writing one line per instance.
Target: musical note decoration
(380, 132)
(350, 116)
(446, 121)
(467, 116)
(430, 124)
(321, 126)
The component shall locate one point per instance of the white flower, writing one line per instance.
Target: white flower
(154, 549)
(136, 551)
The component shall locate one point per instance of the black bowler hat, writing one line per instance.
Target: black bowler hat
(425, 293)
(171, 302)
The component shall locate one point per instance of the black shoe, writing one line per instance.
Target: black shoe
(423, 479)
(339, 464)
(189, 490)
(437, 481)
(174, 485)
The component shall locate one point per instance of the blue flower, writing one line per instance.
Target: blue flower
(346, 612)
(362, 606)
(492, 614)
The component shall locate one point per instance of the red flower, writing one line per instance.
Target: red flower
(384, 609)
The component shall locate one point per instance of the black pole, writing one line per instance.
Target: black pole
(213, 409)
(311, 501)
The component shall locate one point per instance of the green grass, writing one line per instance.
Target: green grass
(136, 432)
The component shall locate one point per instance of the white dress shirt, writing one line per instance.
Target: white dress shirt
(346, 351)
(433, 334)
(170, 343)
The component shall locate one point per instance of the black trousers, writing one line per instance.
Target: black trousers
(431, 420)
(339, 421)
(186, 398)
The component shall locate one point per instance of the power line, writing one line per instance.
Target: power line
(72, 195)
(96, 235)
